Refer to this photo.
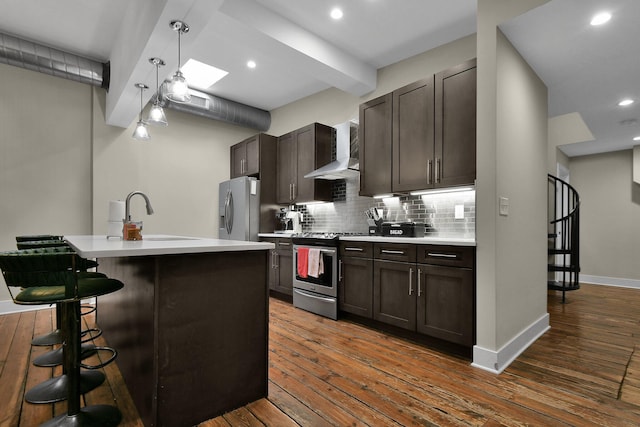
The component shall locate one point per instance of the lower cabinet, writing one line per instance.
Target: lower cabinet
(432, 299)
(355, 287)
(394, 298)
(281, 265)
(446, 303)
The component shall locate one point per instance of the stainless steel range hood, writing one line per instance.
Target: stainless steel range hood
(346, 164)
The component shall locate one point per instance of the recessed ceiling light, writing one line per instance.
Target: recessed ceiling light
(336, 13)
(251, 64)
(636, 138)
(201, 75)
(601, 18)
(625, 102)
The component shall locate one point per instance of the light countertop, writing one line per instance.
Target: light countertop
(428, 240)
(96, 246)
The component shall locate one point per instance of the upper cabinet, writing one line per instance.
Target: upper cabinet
(247, 156)
(422, 135)
(456, 125)
(299, 153)
(256, 156)
(374, 136)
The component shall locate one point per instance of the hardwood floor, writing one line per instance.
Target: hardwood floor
(584, 371)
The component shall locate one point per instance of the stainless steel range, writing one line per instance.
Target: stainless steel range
(315, 273)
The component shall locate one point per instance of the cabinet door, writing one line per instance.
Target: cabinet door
(394, 293)
(286, 169)
(252, 157)
(355, 290)
(413, 136)
(305, 151)
(285, 270)
(238, 155)
(446, 303)
(455, 137)
(375, 146)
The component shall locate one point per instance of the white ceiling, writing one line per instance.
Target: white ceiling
(301, 51)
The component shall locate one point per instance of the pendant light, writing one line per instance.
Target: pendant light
(156, 113)
(141, 132)
(178, 90)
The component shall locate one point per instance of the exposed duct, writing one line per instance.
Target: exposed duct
(47, 60)
(216, 108)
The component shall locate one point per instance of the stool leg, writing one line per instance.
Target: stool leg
(94, 415)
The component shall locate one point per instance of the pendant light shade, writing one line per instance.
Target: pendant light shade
(141, 132)
(178, 89)
(156, 113)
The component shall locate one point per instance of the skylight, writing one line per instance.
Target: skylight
(201, 75)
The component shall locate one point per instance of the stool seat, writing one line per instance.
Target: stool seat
(87, 288)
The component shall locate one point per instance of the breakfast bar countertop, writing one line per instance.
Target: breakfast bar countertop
(98, 246)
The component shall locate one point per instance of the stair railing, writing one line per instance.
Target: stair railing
(564, 236)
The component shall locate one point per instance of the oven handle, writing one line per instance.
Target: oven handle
(310, 295)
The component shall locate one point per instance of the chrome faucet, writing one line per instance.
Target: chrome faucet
(127, 215)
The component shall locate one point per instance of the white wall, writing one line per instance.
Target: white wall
(609, 215)
(45, 157)
(512, 157)
(179, 169)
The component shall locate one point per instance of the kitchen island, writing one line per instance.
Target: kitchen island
(190, 325)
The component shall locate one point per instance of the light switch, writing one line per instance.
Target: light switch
(504, 206)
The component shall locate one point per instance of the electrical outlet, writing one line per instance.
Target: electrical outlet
(459, 211)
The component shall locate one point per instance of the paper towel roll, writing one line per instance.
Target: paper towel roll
(116, 210)
(114, 228)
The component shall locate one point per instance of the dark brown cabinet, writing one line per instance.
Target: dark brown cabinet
(355, 287)
(426, 288)
(413, 136)
(394, 281)
(248, 156)
(422, 135)
(256, 156)
(374, 136)
(300, 152)
(455, 125)
(281, 265)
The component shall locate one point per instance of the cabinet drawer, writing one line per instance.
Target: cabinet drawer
(402, 252)
(283, 244)
(453, 256)
(356, 249)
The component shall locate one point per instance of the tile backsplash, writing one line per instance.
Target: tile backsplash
(347, 212)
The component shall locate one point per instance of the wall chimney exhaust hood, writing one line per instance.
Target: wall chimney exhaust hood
(346, 164)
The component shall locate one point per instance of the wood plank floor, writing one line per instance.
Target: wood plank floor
(584, 371)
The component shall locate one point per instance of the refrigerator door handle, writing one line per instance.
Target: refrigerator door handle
(231, 213)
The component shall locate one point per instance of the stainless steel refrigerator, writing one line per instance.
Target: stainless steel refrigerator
(239, 209)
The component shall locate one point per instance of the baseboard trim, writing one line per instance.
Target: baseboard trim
(610, 281)
(498, 361)
(9, 307)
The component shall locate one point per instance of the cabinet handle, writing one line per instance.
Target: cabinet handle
(284, 244)
(273, 259)
(294, 191)
(340, 271)
(429, 164)
(290, 192)
(437, 171)
(410, 284)
(390, 252)
(354, 249)
(436, 255)
(419, 287)
(242, 166)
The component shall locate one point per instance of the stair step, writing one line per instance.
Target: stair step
(556, 267)
(555, 251)
(554, 285)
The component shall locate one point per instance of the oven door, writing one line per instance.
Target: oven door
(315, 268)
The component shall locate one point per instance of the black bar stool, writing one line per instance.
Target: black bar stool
(50, 275)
